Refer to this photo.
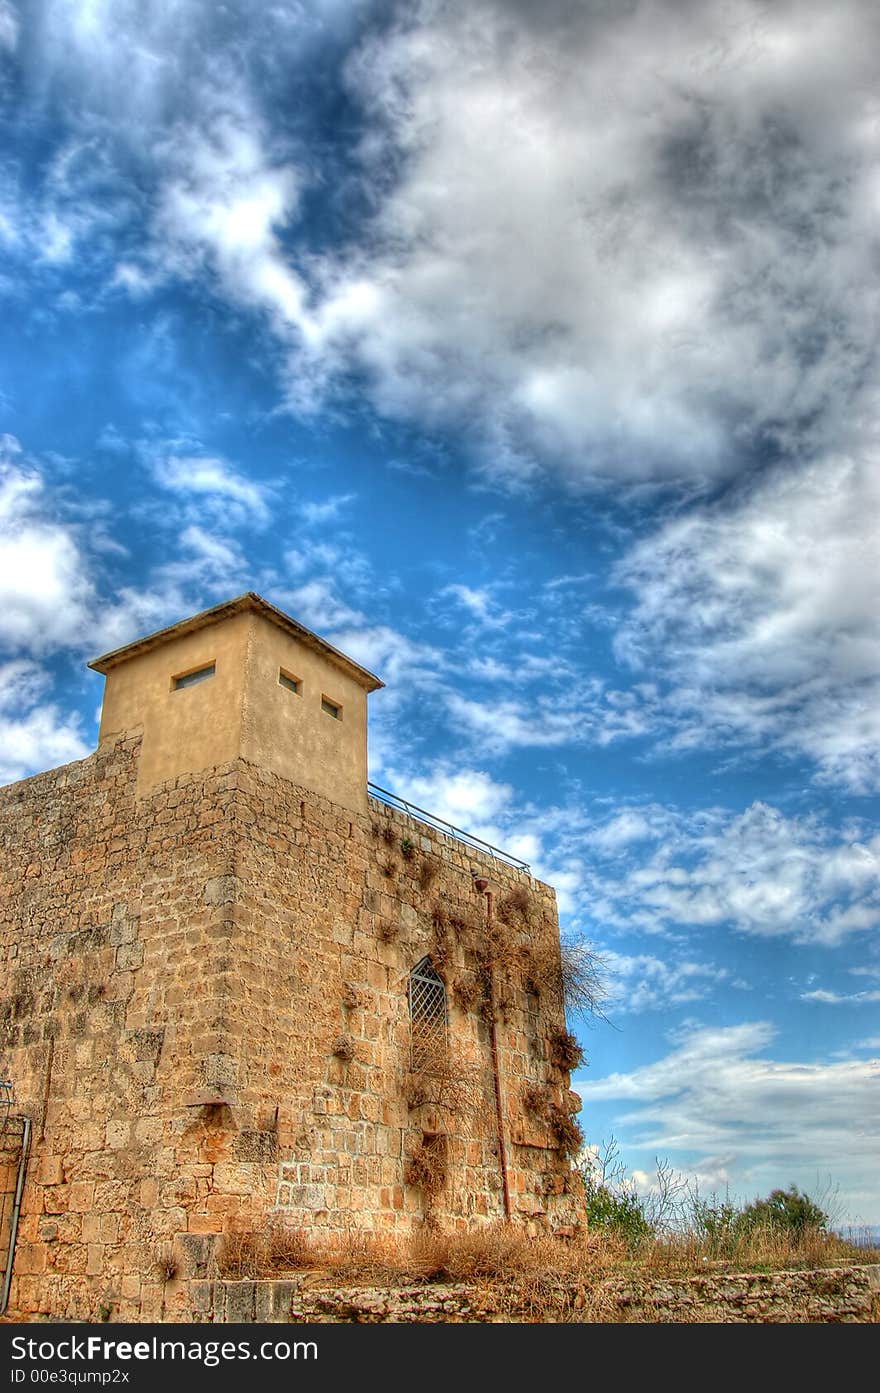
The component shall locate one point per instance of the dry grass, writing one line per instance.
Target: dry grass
(531, 1278)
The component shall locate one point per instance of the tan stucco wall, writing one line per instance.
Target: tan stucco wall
(191, 728)
(242, 711)
(289, 733)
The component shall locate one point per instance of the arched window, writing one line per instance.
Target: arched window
(427, 1014)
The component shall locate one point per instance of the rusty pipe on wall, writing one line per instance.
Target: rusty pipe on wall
(482, 886)
(16, 1209)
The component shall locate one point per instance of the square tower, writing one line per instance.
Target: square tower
(242, 680)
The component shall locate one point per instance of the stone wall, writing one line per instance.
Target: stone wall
(843, 1294)
(205, 1014)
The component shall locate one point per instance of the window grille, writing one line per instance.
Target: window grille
(427, 1014)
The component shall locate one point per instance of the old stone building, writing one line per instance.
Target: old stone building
(241, 988)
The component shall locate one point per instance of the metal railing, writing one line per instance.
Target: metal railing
(392, 800)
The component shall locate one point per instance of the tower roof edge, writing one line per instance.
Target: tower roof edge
(254, 603)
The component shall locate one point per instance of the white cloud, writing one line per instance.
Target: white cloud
(45, 590)
(224, 204)
(212, 480)
(589, 713)
(318, 605)
(34, 735)
(645, 983)
(763, 618)
(468, 798)
(840, 999)
(480, 604)
(776, 1121)
(218, 557)
(624, 277)
(758, 873)
(8, 26)
(316, 512)
(637, 278)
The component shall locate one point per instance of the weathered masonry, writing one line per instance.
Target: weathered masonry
(240, 989)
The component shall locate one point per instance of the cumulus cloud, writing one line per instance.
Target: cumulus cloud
(757, 873)
(618, 239)
(213, 482)
(45, 588)
(763, 618)
(34, 734)
(224, 205)
(316, 512)
(593, 714)
(642, 982)
(717, 1093)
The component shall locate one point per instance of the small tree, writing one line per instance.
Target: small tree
(788, 1211)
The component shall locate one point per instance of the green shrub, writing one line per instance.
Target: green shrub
(785, 1210)
(616, 1211)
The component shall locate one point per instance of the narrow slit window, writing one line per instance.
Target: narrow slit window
(189, 679)
(427, 1015)
(332, 708)
(287, 679)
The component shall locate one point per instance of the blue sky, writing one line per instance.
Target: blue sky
(529, 354)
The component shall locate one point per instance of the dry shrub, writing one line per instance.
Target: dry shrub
(388, 931)
(427, 875)
(565, 1050)
(166, 1267)
(389, 836)
(569, 974)
(355, 1256)
(447, 1082)
(468, 991)
(568, 1134)
(538, 1101)
(465, 926)
(408, 849)
(516, 906)
(426, 1166)
(343, 1048)
(507, 1251)
(532, 1277)
(499, 946)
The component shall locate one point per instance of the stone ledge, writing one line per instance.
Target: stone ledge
(824, 1295)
